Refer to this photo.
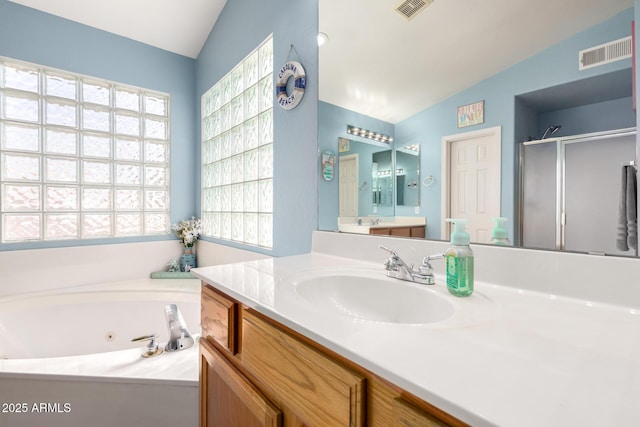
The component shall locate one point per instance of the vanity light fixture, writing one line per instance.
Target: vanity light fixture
(364, 133)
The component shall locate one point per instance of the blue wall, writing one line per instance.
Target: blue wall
(554, 66)
(589, 118)
(33, 36)
(241, 27)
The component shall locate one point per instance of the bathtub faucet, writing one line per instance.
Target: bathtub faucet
(179, 337)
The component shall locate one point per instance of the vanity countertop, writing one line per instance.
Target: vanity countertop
(508, 357)
(350, 224)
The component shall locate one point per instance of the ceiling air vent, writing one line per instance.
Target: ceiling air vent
(605, 53)
(410, 8)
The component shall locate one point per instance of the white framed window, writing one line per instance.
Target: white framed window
(80, 157)
(237, 152)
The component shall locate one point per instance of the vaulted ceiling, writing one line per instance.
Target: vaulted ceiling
(380, 64)
(180, 26)
(376, 61)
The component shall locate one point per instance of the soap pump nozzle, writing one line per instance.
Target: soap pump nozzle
(459, 236)
(499, 234)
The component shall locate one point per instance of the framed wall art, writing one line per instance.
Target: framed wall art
(343, 145)
(471, 114)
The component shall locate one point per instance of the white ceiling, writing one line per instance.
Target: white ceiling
(376, 62)
(379, 64)
(179, 26)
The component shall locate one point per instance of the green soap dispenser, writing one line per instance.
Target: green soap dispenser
(499, 234)
(459, 261)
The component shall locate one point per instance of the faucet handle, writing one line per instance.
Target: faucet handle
(425, 271)
(428, 258)
(391, 251)
(426, 265)
(152, 348)
(149, 337)
(391, 263)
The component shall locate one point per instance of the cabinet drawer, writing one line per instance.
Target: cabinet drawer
(320, 391)
(219, 319)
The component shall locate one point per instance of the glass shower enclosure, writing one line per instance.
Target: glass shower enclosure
(570, 191)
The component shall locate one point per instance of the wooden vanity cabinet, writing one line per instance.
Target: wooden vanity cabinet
(401, 231)
(277, 377)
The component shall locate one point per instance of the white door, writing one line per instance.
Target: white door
(348, 185)
(471, 181)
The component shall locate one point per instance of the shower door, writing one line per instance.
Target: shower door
(592, 180)
(570, 189)
(540, 195)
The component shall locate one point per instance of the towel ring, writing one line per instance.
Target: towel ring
(428, 181)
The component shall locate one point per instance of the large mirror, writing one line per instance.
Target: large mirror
(411, 77)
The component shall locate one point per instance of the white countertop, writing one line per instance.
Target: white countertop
(350, 224)
(508, 357)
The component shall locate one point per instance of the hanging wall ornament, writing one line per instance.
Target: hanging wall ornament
(295, 70)
(328, 160)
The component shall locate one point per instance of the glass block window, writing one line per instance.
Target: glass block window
(80, 157)
(237, 152)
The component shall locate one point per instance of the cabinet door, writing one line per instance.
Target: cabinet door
(417, 231)
(401, 231)
(381, 231)
(317, 389)
(227, 398)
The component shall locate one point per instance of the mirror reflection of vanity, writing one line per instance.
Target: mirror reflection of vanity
(374, 180)
(541, 88)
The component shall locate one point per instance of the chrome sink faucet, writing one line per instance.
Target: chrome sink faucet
(398, 269)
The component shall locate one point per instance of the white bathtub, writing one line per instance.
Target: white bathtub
(68, 359)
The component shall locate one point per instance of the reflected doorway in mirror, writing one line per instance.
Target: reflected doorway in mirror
(471, 181)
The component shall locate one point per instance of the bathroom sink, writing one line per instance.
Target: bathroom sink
(375, 298)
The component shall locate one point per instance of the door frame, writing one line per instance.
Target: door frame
(356, 159)
(445, 178)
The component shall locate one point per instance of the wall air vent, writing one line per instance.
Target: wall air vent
(410, 8)
(605, 53)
